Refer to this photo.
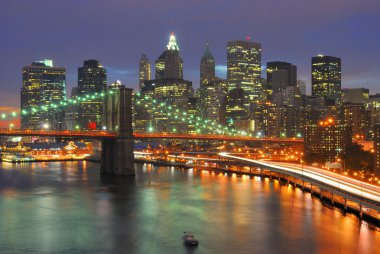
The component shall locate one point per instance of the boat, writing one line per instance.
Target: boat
(188, 239)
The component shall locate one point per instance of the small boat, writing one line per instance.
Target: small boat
(188, 239)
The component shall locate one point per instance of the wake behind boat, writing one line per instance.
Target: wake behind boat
(189, 239)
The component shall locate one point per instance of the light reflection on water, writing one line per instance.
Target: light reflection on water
(67, 207)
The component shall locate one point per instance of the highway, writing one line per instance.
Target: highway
(347, 184)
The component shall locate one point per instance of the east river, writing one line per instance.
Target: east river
(66, 207)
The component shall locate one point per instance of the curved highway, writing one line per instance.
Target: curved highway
(343, 183)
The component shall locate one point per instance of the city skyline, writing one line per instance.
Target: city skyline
(121, 45)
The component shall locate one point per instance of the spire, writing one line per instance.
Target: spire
(207, 52)
(172, 45)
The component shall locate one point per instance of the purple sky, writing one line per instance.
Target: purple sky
(116, 32)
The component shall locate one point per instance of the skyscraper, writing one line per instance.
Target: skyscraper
(168, 88)
(207, 67)
(92, 78)
(43, 85)
(326, 78)
(244, 69)
(144, 70)
(282, 81)
(169, 64)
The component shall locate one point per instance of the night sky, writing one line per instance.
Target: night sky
(116, 32)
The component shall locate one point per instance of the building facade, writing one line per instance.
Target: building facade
(169, 64)
(43, 86)
(161, 101)
(326, 141)
(207, 67)
(144, 70)
(92, 79)
(376, 146)
(244, 69)
(326, 72)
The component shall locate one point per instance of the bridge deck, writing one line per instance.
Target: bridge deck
(105, 134)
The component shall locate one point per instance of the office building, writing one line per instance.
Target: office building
(279, 76)
(355, 95)
(71, 112)
(212, 100)
(92, 79)
(144, 70)
(376, 146)
(326, 141)
(169, 64)
(326, 78)
(244, 70)
(207, 67)
(358, 118)
(43, 86)
(169, 89)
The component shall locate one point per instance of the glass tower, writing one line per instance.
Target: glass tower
(326, 78)
(42, 85)
(92, 78)
(244, 69)
(144, 70)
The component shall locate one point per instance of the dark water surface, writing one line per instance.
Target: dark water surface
(66, 207)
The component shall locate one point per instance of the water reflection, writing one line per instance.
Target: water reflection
(68, 208)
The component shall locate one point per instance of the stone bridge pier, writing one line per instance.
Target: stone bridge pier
(117, 153)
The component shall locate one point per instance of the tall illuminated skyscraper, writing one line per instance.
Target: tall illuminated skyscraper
(42, 85)
(207, 67)
(326, 78)
(168, 88)
(144, 70)
(92, 78)
(244, 69)
(169, 64)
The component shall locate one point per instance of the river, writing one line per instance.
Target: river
(66, 207)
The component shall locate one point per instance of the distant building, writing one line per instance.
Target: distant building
(71, 112)
(192, 110)
(212, 100)
(43, 86)
(279, 76)
(236, 113)
(355, 95)
(376, 145)
(326, 78)
(326, 141)
(175, 93)
(358, 118)
(207, 67)
(244, 70)
(144, 70)
(92, 79)
(301, 84)
(169, 64)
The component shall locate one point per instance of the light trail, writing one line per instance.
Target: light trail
(351, 186)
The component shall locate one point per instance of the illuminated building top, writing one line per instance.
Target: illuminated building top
(172, 45)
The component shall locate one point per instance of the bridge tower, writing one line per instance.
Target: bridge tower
(117, 154)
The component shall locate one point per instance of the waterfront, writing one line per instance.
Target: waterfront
(65, 207)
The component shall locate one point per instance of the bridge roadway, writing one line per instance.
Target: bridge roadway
(105, 135)
(360, 192)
